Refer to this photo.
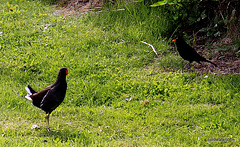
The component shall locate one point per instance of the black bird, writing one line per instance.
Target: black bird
(188, 53)
(50, 97)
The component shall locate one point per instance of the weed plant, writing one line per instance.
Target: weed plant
(118, 94)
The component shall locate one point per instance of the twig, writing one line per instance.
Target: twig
(151, 47)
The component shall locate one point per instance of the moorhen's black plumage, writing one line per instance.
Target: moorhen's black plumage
(52, 96)
(188, 53)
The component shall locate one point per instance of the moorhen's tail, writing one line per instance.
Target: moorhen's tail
(211, 62)
(30, 92)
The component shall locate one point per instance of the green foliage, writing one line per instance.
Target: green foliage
(182, 13)
(164, 2)
(117, 93)
(211, 18)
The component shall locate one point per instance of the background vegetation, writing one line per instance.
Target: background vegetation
(213, 18)
(118, 92)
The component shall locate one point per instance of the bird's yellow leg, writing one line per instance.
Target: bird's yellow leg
(47, 119)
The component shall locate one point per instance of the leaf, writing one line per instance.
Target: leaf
(162, 3)
(217, 34)
(203, 14)
(159, 3)
(203, 29)
(175, 17)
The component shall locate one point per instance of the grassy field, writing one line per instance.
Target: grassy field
(118, 93)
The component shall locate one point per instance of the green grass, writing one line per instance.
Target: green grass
(118, 93)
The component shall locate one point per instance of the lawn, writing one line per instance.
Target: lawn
(118, 91)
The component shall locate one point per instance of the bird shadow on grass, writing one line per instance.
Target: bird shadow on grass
(61, 135)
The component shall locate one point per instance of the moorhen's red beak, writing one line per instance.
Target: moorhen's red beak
(174, 40)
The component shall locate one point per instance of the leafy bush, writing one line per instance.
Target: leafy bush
(213, 18)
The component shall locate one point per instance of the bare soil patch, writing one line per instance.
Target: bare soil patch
(225, 54)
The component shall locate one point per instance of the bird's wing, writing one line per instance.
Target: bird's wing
(49, 101)
(38, 97)
(41, 93)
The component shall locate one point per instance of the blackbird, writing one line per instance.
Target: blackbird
(50, 97)
(188, 53)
